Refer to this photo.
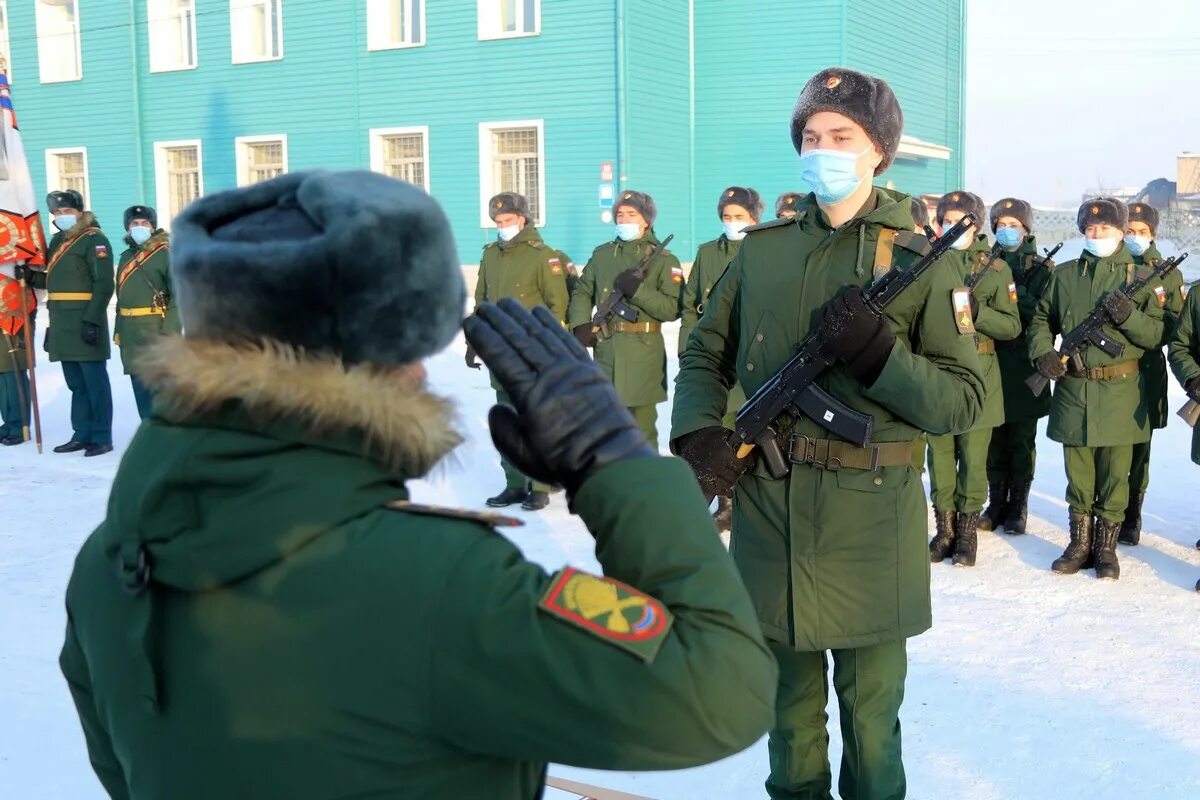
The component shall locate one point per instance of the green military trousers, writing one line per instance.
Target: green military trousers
(1139, 469)
(513, 479)
(869, 682)
(14, 403)
(958, 471)
(646, 418)
(1098, 480)
(1012, 453)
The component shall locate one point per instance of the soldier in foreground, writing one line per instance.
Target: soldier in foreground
(1184, 354)
(264, 614)
(835, 552)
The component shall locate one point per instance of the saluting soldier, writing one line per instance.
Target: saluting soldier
(958, 463)
(79, 283)
(1184, 354)
(834, 554)
(786, 204)
(1139, 238)
(145, 307)
(634, 357)
(1099, 413)
(14, 362)
(1012, 454)
(518, 264)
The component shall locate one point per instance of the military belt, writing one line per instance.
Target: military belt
(986, 347)
(1111, 372)
(145, 311)
(833, 454)
(637, 327)
(1012, 344)
(79, 296)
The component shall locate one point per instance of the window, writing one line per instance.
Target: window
(395, 23)
(511, 155)
(178, 176)
(67, 168)
(5, 53)
(59, 58)
(256, 30)
(172, 34)
(503, 19)
(260, 158)
(402, 153)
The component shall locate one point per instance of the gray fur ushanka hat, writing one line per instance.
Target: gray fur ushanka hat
(351, 263)
(1103, 211)
(864, 98)
(966, 202)
(1144, 212)
(1013, 207)
(748, 199)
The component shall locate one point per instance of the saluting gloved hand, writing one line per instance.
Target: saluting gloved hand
(1118, 306)
(710, 455)
(856, 336)
(471, 359)
(567, 422)
(1050, 365)
(628, 283)
(1192, 388)
(585, 335)
(90, 334)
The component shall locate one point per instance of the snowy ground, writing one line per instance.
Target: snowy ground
(1030, 685)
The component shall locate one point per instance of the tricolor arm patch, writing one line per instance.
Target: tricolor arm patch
(609, 610)
(1012, 292)
(677, 273)
(960, 300)
(1160, 294)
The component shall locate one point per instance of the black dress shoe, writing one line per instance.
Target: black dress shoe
(97, 450)
(71, 447)
(508, 497)
(9, 441)
(536, 501)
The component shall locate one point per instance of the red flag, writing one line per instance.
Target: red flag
(21, 236)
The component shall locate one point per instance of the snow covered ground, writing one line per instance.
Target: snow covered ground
(1030, 685)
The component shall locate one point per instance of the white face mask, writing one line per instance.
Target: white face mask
(1137, 244)
(735, 231)
(507, 232)
(1102, 248)
(628, 231)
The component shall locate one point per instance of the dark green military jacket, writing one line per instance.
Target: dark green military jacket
(15, 344)
(1031, 273)
(833, 558)
(79, 283)
(298, 638)
(1154, 363)
(997, 321)
(636, 363)
(143, 289)
(712, 259)
(1097, 413)
(1184, 352)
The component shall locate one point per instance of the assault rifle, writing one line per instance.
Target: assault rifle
(996, 251)
(615, 302)
(794, 390)
(1091, 330)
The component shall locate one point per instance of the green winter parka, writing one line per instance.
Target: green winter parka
(79, 283)
(143, 274)
(252, 619)
(712, 259)
(833, 558)
(1184, 352)
(1097, 413)
(1031, 273)
(1154, 362)
(636, 363)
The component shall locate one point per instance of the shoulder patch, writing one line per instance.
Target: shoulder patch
(609, 610)
(102, 251)
(1012, 292)
(776, 223)
(1160, 294)
(555, 265)
(535, 245)
(482, 517)
(960, 299)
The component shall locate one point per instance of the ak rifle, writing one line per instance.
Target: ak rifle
(794, 389)
(1091, 331)
(615, 302)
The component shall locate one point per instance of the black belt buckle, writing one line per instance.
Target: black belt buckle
(815, 453)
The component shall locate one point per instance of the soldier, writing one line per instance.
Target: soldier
(263, 541)
(835, 554)
(14, 364)
(958, 463)
(1139, 238)
(738, 209)
(635, 357)
(145, 310)
(1184, 352)
(518, 264)
(79, 283)
(1012, 454)
(786, 204)
(1099, 413)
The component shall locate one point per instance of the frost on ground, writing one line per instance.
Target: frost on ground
(1030, 685)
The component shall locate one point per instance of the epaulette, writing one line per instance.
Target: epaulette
(912, 241)
(536, 245)
(491, 244)
(489, 519)
(776, 223)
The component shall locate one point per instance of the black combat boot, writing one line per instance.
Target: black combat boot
(1104, 547)
(724, 514)
(1078, 554)
(997, 508)
(1131, 528)
(943, 541)
(508, 497)
(536, 501)
(1018, 508)
(966, 540)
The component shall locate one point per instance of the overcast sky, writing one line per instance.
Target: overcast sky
(1065, 95)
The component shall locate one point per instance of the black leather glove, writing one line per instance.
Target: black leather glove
(1192, 388)
(585, 335)
(628, 283)
(567, 422)
(21, 273)
(715, 462)
(1050, 365)
(90, 334)
(471, 360)
(857, 337)
(1118, 306)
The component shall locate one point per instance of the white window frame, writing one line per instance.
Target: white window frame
(241, 146)
(151, 33)
(6, 52)
(488, 30)
(162, 189)
(78, 46)
(233, 54)
(418, 42)
(486, 188)
(377, 135)
(53, 179)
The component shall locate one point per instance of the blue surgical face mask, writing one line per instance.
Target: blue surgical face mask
(628, 231)
(1008, 237)
(1102, 248)
(832, 174)
(964, 239)
(735, 231)
(1137, 244)
(507, 232)
(64, 222)
(140, 234)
